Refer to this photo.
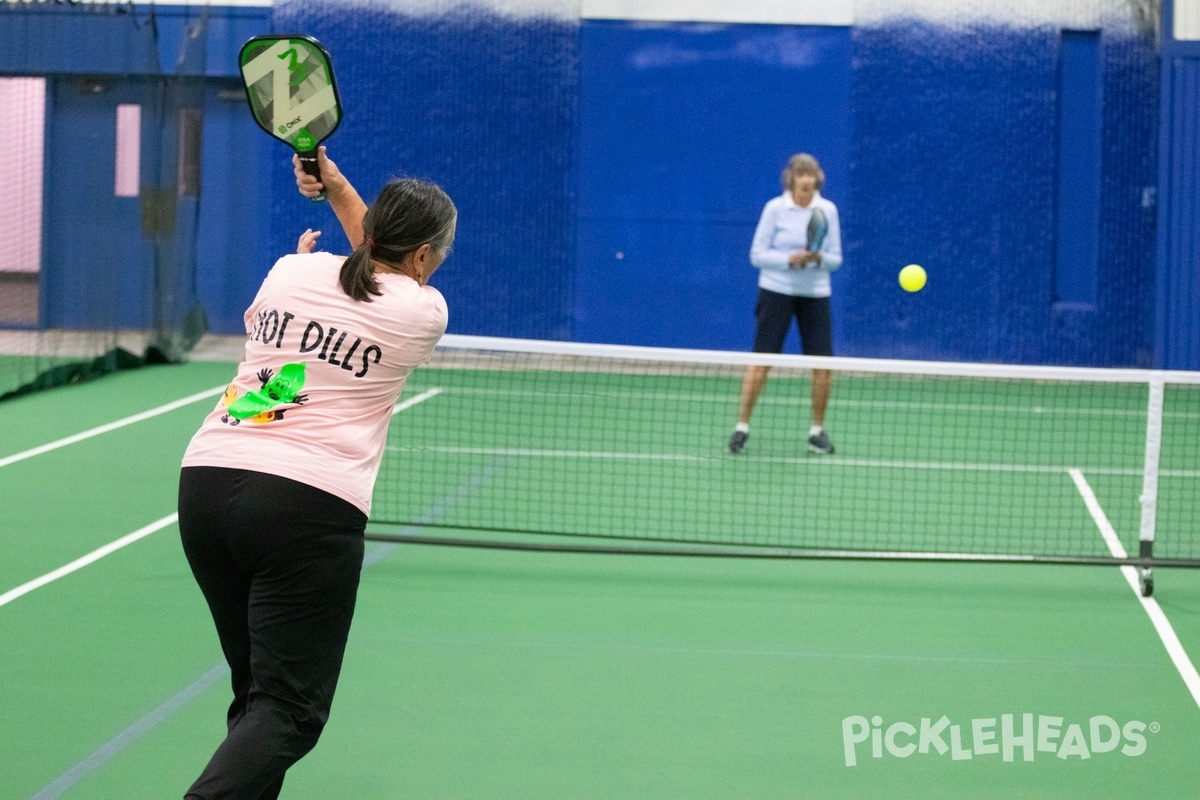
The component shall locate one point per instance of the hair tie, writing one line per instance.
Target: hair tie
(371, 243)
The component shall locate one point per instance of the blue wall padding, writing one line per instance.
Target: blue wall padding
(485, 106)
(1128, 211)
(609, 174)
(954, 167)
(1178, 330)
(684, 130)
(1080, 131)
(240, 176)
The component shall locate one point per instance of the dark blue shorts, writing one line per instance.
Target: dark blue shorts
(774, 314)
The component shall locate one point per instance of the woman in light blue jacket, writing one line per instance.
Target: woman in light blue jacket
(797, 244)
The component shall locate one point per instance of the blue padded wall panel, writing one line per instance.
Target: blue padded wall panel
(484, 105)
(1080, 129)
(1128, 212)
(1178, 317)
(684, 130)
(238, 181)
(650, 283)
(954, 167)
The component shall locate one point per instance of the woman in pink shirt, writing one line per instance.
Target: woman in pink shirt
(276, 484)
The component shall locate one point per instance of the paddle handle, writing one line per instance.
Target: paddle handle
(308, 162)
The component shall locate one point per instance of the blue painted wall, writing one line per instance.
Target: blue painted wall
(609, 174)
(484, 105)
(684, 130)
(1177, 332)
(1080, 125)
(956, 134)
(238, 183)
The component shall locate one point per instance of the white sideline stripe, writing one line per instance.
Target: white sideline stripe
(412, 401)
(1166, 632)
(140, 533)
(144, 725)
(111, 426)
(83, 561)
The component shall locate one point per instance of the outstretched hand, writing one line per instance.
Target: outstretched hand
(307, 240)
(332, 181)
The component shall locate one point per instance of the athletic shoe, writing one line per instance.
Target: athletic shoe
(738, 441)
(818, 443)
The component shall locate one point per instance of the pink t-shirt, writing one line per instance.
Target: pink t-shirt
(315, 391)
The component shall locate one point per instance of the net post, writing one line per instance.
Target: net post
(1149, 497)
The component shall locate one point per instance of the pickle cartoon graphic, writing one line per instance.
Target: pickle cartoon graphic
(266, 404)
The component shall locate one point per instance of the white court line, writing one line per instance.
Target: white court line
(1166, 632)
(80, 563)
(412, 401)
(140, 533)
(135, 731)
(111, 426)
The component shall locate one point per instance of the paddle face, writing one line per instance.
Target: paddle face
(818, 227)
(289, 84)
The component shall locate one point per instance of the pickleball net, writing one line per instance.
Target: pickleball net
(552, 445)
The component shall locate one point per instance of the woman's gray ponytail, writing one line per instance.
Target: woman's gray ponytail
(407, 214)
(358, 275)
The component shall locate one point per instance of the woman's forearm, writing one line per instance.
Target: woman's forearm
(350, 210)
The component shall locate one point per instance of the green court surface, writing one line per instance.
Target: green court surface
(483, 674)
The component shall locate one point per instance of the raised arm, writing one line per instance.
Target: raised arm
(342, 196)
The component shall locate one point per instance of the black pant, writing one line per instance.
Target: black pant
(278, 562)
(774, 312)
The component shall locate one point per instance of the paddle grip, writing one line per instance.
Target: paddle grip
(308, 162)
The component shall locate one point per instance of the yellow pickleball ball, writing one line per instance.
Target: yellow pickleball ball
(912, 278)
